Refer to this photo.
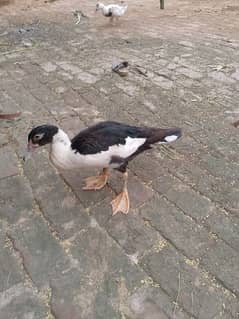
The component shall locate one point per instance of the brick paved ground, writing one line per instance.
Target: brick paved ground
(175, 255)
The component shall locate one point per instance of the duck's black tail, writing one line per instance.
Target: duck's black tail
(158, 135)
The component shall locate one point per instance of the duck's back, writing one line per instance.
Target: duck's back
(115, 143)
(114, 10)
(101, 136)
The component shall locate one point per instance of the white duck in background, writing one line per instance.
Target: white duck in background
(112, 10)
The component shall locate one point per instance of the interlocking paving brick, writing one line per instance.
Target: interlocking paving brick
(36, 243)
(44, 94)
(8, 162)
(219, 167)
(220, 76)
(149, 172)
(163, 82)
(190, 73)
(7, 103)
(16, 199)
(22, 302)
(108, 275)
(3, 139)
(235, 75)
(67, 66)
(96, 285)
(187, 44)
(23, 97)
(66, 294)
(49, 66)
(223, 262)
(192, 239)
(192, 203)
(151, 303)
(87, 77)
(60, 207)
(10, 272)
(183, 278)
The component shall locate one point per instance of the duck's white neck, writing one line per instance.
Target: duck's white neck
(60, 148)
(61, 138)
(101, 5)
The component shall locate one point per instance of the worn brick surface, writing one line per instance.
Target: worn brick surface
(8, 160)
(16, 199)
(175, 256)
(177, 273)
(22, 302)
(10, 272)
(35, 244)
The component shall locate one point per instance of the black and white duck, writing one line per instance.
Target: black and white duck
(106, 145)
(111, 10)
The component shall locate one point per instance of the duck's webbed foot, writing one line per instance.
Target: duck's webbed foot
(121, 202)
(97, 182)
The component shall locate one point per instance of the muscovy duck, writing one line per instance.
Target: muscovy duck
(105, 145)
(111, 10)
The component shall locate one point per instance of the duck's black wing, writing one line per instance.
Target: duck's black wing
(101, 136)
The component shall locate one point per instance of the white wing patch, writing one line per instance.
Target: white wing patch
(171, 138)
(131, 145)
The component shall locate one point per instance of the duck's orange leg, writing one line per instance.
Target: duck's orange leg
(97, 182)
(121, 202)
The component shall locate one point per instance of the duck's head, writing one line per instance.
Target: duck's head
(39, 136)
(99, 6)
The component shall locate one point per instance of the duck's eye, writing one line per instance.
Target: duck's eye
(37, 137)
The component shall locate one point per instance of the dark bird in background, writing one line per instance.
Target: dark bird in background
(120, 68)
(106, 145)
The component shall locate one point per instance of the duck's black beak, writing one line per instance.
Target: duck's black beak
(30, 149)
